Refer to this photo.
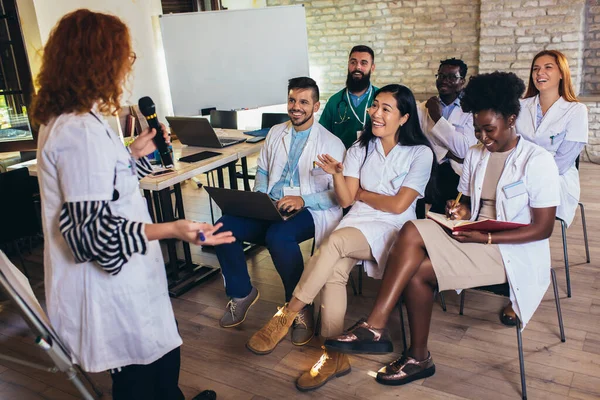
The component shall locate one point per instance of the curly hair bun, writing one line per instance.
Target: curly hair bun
(498, 91)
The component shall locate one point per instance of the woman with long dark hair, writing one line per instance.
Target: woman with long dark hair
(505, 178)
(383, 175)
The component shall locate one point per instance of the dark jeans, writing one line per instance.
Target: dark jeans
(156, 381)
(447, 182)
(281, 238)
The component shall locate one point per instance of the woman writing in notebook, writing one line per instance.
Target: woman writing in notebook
(383, 175)
(504, 178)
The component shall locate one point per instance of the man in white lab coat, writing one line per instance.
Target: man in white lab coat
(449, 129)
(287, 173)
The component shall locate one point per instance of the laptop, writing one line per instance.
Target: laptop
(241, 203)
(195, 131)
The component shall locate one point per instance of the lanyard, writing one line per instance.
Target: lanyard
(364, 120)
(288, 161)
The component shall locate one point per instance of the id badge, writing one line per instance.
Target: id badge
(514, 189)
(397, 181)
(317, 171)
(291, 191)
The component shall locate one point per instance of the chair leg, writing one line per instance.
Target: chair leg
(353, 284)
(563, 228)
(361, 270)
(404, 344)
(585, 237)
(16, 244)
(442, 301)
(558, 311)
(208, 176)
(462, 302)
(521, 361)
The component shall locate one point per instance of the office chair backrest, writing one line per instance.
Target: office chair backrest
(18, 217)
(223, 119)
(271, 119)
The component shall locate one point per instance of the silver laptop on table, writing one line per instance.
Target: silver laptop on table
(194, 131)
(255, 205)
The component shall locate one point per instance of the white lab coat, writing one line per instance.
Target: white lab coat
(527, 265)
(564, 120)
(456, 134)
(106, 321)
(273, 159)
(408, 166)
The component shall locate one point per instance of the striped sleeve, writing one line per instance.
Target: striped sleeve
(143, 167)
(94, 234)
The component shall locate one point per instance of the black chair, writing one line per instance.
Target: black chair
(18, 215)
(563, 228)
(223, 119)
(504, 290)
(271, 119)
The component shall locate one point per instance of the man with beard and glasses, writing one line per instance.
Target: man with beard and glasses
(287, 172)
(449, 130)
(345, 113)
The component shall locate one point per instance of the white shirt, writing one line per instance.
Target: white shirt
(563, 121)
(404, 166)
(107, 321)
(529, 180)
(455, 134)
(273, 159)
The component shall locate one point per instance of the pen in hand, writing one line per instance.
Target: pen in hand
(455, 204)
(201, 236)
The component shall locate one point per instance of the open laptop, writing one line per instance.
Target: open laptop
(248, 204)
(195, 131)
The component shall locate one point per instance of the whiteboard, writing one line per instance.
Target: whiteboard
(233, 59)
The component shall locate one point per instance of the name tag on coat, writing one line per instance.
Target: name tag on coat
(514, 189)
(397, 181)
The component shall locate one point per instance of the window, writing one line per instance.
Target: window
(16, 85)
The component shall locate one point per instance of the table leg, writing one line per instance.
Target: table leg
(232, 178)
(167, 216)
(245, 174)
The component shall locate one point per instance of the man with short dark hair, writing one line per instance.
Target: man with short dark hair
(286, 171)
(345, 113)
(449, 129)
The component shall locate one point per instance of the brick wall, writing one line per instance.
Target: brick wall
(591, 61)
(409, 38)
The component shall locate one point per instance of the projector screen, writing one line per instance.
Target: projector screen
(233, 59)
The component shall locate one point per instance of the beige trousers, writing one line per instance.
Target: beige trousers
(327, 272)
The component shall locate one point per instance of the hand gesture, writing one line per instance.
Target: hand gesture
(199, 233)
(290, 203)
(144, 145)
(434, 106)
(470, 237)
(458, 212)
(330, 164)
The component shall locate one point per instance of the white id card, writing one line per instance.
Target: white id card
(397, 181)
(514, 189)
(317, 171)
(291, 191)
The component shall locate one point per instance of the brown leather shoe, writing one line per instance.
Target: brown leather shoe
(362, 338)
(404, 370)
(331, 365)
(266, 339)
(508, 316)
(303, 327)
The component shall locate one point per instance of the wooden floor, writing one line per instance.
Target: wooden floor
(475, 356)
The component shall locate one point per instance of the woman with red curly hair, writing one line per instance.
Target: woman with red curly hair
(106, 287)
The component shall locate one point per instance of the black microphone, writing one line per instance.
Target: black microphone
(148, 109)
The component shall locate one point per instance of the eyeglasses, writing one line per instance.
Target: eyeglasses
(132, 57)
(450, 78)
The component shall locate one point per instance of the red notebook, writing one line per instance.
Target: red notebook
(486, 225)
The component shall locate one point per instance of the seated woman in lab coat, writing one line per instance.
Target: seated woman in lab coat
(553, 118)
(383, 174)
(505, 178)
(106, 287)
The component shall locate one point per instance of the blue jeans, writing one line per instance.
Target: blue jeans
(281, 238)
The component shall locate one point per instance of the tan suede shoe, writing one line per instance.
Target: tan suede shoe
(266, 339)
(331, 365)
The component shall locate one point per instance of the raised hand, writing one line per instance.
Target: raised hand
(330, 164)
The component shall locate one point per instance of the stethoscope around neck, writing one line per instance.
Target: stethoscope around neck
(346, 101)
